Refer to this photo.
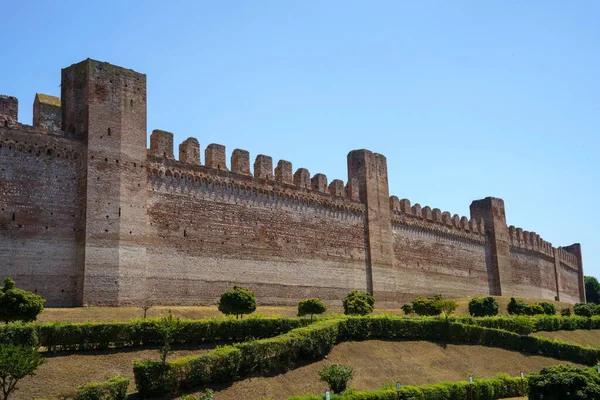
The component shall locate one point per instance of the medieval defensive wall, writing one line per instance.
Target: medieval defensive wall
(89, 215)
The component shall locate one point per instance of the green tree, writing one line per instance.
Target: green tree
(483, 307)
(516, 307)
(16, 362)
(237, 301)
(549, 308)
(408, 309)
(564, 382)
(18, 304)
(592, 289)
(448, 307)
(358, 302)
(167, 328)
(336, 376)
(311, 307)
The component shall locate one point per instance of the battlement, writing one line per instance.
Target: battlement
(9, 111)
(47, 114)
(161, 152)
(522, 239)
(426, 217)
(567, 257)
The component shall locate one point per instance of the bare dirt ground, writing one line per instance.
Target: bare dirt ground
(375, 364)
(581, 337)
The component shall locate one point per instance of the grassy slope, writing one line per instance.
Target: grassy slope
(375, 363)
(82, 314)
(62, 373)
(580, 337)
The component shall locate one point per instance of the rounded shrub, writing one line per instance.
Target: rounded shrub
(358, 302)
(18, 304)
(311, 307)
(237, 301)
(336, 376)
(564, 382)
(549, 308)
(483, 307)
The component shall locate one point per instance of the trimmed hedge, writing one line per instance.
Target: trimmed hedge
(60, 336)
(257, 357)
(525, 325)
(154, 378)
(114, 388)
(488, 389)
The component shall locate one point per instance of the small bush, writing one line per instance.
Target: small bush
(584, 309)
(337, 376)
(237, 301)
(516, 307)
(428, 306)
(114, 388)
(358, 302)
(408, 309)
(483, 307)
(564, 382)
(311, 307)
(565, 312)
(533, 309)
(549, 308)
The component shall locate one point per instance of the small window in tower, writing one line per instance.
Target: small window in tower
(109, 132)
(13, 216)
(131, 102)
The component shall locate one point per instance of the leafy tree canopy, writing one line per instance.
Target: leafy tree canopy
(592, 289)
(18, 304)
(237, 301)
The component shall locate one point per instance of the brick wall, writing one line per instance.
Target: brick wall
(40, 214)
(89, 215)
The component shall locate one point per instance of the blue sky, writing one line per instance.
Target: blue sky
(465, 99)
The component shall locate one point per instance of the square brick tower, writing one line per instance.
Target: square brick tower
(105, 106)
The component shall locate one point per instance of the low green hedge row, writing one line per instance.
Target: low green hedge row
(61, 336)
(114, 388)
(525, 325)
(259, 356)
(454, 332)
(228, 362)
(481, 389)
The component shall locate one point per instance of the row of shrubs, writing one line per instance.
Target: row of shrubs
(229, 362)
(559, 382)
(256, 357)
(481, 389)
(525, 325)
(60, 336)
(101, 335)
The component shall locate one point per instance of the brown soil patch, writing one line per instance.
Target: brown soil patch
(581, 337)
(62, 373)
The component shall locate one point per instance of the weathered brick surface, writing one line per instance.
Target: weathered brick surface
(189, 151)
(40, 188)
(9, 111)
(89, 215)
(47, 114)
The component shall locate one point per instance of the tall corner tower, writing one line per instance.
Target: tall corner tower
(369, 170)
(105, 106)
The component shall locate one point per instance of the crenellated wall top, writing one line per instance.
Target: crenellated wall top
(403, 213)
